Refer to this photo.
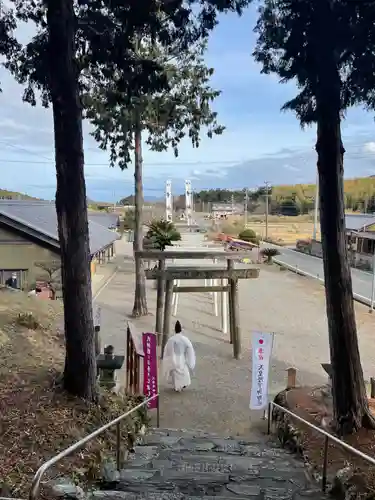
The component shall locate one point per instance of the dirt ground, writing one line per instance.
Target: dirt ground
(38, 419)
(312, 406)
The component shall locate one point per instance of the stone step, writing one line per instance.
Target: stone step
(168, 459)
(204, 441)
(175, 464)
(125, 495)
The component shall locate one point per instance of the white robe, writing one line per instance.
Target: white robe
(178, 360)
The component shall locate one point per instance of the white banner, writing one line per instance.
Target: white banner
(262, 344)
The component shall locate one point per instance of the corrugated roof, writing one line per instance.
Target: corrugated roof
(108, 220)
(356, 222)
(41, 216)
(367, 235)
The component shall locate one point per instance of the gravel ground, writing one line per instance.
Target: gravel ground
(218, 400)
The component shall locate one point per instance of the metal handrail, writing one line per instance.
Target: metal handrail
(35, 485)
(327, 436)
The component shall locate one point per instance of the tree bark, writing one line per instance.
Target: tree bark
(350, 404)
(140, 300)
(71, 207)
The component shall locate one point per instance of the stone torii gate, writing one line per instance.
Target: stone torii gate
(168, 275)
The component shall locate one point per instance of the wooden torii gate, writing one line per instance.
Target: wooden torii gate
(167, 275)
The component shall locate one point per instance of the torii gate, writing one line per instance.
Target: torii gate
(168, 275)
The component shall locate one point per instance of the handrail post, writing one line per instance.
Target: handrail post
(118, 445)
(325, 464)
(269, 418)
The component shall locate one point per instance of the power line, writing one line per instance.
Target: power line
(24, 150)
(161, 164)
(153, 164)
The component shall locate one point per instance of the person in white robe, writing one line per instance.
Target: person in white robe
(178, 360)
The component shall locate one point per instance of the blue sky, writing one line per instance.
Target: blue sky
(260, 143)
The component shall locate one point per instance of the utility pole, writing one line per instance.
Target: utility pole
(267, 207)
(232, 204)
(246, 203)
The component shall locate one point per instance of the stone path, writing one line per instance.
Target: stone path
(175, 464)
(218, 399)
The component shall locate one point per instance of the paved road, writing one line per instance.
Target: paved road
(362, 281)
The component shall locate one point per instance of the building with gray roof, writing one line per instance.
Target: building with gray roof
(358, 222)
(29, 235)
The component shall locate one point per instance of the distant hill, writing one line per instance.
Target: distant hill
(15, 195)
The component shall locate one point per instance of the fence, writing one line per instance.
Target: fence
(327, 437)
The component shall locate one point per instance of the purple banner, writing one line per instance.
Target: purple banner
(150, 368)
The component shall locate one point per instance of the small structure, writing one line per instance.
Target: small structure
(168, 276)
(134, 355)
(223, 210)
(360, 240)
(107, 364)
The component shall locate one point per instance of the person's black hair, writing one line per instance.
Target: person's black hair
(178, 327)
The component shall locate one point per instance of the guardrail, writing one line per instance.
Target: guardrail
(35, 485)
(295, 269)
(327, 438)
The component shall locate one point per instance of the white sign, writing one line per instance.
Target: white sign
(262, 344)
(97, 315)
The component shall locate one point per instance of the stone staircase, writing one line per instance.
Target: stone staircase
(179, 464)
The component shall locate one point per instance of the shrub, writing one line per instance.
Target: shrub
(28, 320)
(229, 228)
(304, 245)
(162, 233)
(127, 222)
(269, 253)
(249, 235)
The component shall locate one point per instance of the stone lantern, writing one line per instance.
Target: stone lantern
(108, 363)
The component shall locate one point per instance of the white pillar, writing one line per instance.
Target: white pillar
(224, 308)
(176, 300)
(168, 201)
(188, 202)
(174, 294)
(216, 299)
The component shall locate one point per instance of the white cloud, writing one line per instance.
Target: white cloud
(291, 168)
(369, 147)
(9, 123)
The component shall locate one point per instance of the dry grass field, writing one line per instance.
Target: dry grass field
(282, 229)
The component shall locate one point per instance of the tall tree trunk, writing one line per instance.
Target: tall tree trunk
(140, 301)
(350, 404)
(71, 207)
